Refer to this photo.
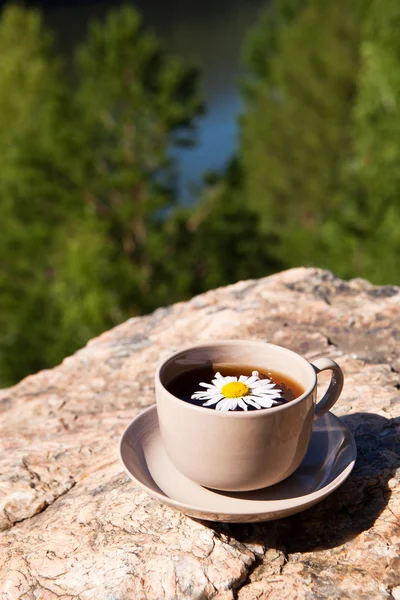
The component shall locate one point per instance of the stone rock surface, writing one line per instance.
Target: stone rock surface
(75, 527)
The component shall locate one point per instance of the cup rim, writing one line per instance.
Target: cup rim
(237, 414)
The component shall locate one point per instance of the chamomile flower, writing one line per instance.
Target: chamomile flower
(227, 393)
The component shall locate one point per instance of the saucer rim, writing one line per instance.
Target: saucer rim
(271, 506)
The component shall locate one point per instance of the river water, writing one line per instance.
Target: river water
(208, 32)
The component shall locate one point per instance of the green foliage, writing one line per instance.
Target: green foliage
(86, 178)
(29, 208)
(82, 290)
(264, 42)
(220, 241)
(377, 148)
(132, 101)
(320, 134)
(90, 229)
(296, 127)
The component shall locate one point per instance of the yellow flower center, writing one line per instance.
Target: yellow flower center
(235, 389)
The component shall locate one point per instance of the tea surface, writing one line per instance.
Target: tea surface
(187, 383)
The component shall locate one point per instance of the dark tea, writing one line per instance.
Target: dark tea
(186, 384)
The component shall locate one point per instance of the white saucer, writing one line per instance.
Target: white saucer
(328, 462)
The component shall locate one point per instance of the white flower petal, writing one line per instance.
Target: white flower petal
(206, 395)
(266, 402)
(262, 382)
(252, 380)
(263, 386)
(207, 385)
(219, 378)
(260, 400)
(230, 404)
(212, 401)
(227, 404)
(266, 394)
(261, 391)
(220, 384)
(223, 404)
(248, 380)
(252, 402)
(242, 404)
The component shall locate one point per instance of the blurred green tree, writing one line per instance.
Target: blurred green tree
(86, 181)
(30, 189)
(219, 241)
(376, 172)
(132, 101)
(264, 42)
(362, 237)
(297, 125)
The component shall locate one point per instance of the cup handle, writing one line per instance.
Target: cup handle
(334, 388)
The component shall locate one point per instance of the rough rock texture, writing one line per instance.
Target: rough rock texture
(74, 526)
